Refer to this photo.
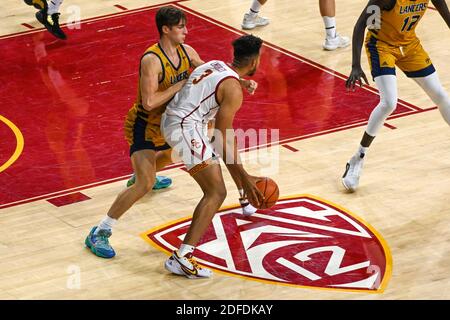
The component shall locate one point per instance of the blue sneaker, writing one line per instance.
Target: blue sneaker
(161, 182)
(99, 243)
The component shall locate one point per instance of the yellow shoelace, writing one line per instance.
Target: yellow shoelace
(194, 263)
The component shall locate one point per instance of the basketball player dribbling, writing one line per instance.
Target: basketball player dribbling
(394, 43)
(164, 69)
(212, 91)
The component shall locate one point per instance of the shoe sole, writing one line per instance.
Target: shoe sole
(129, 184)
(159, 188)
(255, 26)
(180, 272)
(335, 48)
(351, 190)
(94, 251)
(168, 267)
(163, 187)
(248, 213)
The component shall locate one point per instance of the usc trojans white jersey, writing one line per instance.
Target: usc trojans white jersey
(197, 101)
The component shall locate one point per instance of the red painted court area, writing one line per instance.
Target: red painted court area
(69, 99)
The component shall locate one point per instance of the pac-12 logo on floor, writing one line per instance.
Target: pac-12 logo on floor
(301, 241)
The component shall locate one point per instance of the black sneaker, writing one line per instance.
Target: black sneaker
(38, 4)
(51, 22)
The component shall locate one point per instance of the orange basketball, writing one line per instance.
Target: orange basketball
(270, 190)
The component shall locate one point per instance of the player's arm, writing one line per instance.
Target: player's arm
(358, 38)
(442, 8)
(229, 97)
(193, 56)
(249, 85)
(150, 70)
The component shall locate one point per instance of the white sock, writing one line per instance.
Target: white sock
(330, 26)
(185, 249)
(241, 193)
(362, 150)
(254, 9)
(106, 224)
(53, 6)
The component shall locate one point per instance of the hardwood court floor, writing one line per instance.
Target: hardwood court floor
(73, 160)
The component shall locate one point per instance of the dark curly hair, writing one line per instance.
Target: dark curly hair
(246, 48)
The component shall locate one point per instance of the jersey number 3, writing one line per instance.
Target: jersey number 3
(203, 76)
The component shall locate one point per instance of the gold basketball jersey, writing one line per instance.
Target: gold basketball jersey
(398, 25)
(171, 74)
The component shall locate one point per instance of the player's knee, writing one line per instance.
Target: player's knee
(388, 105)
(144, 185)
(218, 194)
(222, 194)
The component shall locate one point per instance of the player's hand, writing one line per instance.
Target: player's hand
(356, 75)
(251, 191)
(249, 85)
(181, 84)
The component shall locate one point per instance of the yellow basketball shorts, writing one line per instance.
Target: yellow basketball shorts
(412, 59)
(142, 131)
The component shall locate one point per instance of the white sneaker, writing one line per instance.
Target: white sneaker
(353, 170)
(252, 21)
(247, 208)
(336, 42)
(186, 266)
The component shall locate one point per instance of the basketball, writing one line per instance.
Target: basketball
(269, 189)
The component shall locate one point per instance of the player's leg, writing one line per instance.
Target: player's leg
(252, 19)
(247, 208)
(163, 158)
(433, 88)
(53, 6)
(418, 66)
(387, 86)
(382, 60)
(332, 38)
(143, 162)
(191, 144)
(211, 182)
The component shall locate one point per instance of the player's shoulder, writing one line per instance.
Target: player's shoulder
(229, 93)
(188, 49)
(386, 5)
(383, 4)
(152, 59)
(231, 86)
